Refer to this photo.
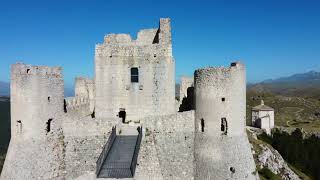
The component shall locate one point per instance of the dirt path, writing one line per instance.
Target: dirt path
(297, 114)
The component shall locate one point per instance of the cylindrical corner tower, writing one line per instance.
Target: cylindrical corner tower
(37, 94)
(222, 150)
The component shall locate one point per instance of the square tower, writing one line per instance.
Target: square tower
(134, 78)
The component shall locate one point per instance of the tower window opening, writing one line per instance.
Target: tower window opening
(224, 126)
(134, 75)
(19, 126)
(232, 169)
(48, 125)
(202, 125)
(28, 70)
(223, 99)
(93, 114)
(48, 98)
(65, 106)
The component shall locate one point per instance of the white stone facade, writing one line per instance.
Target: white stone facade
(151, 54)
(173, 145)
(263, 117)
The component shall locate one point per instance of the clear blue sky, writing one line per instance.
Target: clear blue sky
(273, 38)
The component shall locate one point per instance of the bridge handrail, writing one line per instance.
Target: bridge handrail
(136, 152)
(106, 149)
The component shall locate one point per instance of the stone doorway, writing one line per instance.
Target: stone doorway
(122, 114)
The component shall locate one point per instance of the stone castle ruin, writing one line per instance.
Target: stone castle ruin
(125, 122)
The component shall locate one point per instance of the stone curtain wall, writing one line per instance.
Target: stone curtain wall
(84, 138)
(84, 87)
(151, 53)
(166, 150)
(167, 147)
(79, 104)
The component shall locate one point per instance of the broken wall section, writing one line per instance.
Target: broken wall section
(186, 100)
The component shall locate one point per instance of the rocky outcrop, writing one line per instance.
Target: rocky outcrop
(271, 159)
(267, 157)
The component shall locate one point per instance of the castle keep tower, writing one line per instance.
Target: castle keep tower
(135, 78)
(37, 94)
(222, 150)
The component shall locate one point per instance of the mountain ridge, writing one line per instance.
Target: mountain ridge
(301, 85)
(5, 90)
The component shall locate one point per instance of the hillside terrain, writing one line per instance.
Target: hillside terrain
(4, 127)
(290, 112)
(295, 99)
(4, 89)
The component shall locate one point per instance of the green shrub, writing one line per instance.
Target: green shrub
(267, 174)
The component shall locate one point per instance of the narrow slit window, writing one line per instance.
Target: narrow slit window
(224, 126)
(65, 106)
(202, 125)
(19, 126)
(48, 125)
(134, 75)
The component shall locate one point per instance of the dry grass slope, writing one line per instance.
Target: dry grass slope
(291, 112)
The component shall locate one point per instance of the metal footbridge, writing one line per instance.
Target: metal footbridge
(119, 156)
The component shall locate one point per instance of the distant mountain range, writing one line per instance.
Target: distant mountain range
(303, 85)
(5, 90)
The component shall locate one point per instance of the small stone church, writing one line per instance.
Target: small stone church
(263, 117)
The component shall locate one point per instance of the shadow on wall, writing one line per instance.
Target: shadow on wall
(188, 102)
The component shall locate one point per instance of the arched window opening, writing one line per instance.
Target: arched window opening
(224, 126)
(202, 125)
(134, 75)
